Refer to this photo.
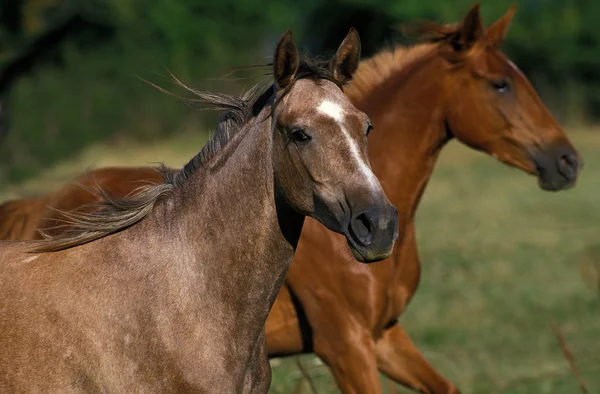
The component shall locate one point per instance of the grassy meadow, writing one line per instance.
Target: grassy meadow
(502, 262)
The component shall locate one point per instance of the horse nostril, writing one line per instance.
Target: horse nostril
(362, 229)
(568, 165)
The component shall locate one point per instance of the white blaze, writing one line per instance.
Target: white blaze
(333, 110)
(336, 112)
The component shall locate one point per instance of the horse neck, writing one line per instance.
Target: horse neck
(227, 215)
(408, 111)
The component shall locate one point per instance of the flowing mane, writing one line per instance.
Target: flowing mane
(377, 70)
(240, 111)
(111, 215)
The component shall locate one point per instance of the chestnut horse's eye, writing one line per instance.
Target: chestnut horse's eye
(501, 86)
(369, 128)
(299, 136)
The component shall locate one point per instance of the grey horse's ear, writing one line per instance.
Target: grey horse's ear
(286, 61)
(347, 58)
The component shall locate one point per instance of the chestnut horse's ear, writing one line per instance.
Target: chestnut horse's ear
(286, 61)
(346, 60)
(497, 31)
(470, 30)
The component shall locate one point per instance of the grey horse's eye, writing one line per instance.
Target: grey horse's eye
(369, 128)
(299, 136)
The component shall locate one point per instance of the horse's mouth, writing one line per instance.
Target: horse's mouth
(364, 255)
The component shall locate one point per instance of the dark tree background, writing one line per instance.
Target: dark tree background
(69, 69)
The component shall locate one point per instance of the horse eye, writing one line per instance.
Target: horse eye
(298, 135)
(501, 86)
(369, 128)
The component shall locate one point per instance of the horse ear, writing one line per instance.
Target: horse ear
(496, 32)
(286, 61)
(470, 30)
(346, 60)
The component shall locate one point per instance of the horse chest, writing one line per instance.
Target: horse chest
(402, 281)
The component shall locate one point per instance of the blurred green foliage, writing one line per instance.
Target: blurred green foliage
(88, 90)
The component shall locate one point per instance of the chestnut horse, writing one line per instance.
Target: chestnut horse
(458, 86)
(168, 290)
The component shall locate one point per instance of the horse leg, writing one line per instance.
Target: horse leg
(399, 359)
(348, 350)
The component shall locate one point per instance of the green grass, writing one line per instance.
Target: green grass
(502, 260)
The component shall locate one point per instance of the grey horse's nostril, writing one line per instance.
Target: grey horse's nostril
(362, 229)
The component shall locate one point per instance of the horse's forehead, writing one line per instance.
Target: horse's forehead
(310, 94)
(498, 63)
(319, 101)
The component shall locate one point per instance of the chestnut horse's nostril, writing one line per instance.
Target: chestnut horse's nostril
(558, 167)
(568, 166)
(361, 229)
(564, 161)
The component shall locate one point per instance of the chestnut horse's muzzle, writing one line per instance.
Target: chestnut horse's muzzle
(557, 167)
(372, 233)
